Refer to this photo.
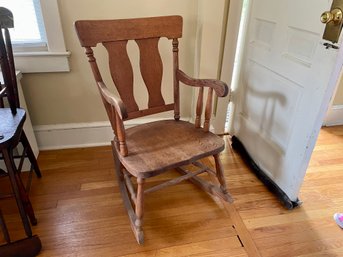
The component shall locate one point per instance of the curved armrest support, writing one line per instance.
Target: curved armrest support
(218, 86)
(115, 101)
(116, 118)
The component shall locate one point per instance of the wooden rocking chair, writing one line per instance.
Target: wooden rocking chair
(153, 148)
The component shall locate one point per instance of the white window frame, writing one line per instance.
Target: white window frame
(55, 59)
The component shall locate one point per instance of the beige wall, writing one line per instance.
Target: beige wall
(338, 100)
(57, 98)
(210, 37)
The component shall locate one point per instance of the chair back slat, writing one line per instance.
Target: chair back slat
(11, 65)
(10, 88)
(151, 70)
(121, 72)
(8, 72)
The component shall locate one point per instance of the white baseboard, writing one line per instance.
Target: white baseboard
(76, 135)
(72, 135)
(334, 116)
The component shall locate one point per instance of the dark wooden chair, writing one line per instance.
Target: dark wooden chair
(9, 91)
(11, 134)
(11, 125)
(153, 148)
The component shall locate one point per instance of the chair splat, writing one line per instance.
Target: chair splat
(151, 69)
(121, 72)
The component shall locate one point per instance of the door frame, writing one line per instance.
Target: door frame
(334, 115)
(228, 63)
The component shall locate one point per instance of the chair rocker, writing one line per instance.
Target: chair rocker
(26, 247)
(153, 148)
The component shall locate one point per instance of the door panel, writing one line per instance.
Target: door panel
(283, 87)
(271, 107)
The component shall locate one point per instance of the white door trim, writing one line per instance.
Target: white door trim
(228, 62)
(334, 115)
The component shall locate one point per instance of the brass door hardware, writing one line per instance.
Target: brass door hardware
(328, 45)
(335, 15)
(333, 20)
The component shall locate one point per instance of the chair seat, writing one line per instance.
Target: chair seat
(158, 146)
(10, 126)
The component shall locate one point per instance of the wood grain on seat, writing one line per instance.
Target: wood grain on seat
(158, 146)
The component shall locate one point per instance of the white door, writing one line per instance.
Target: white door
(286, 81)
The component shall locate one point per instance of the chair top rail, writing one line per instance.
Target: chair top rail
(92, 32)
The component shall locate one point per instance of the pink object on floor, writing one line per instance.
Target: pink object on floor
(338, 217)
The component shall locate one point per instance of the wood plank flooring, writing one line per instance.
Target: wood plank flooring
(80, 211)
(308, 230)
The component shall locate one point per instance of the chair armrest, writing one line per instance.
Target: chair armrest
(112, 99)
(116, 112)
(218, 86)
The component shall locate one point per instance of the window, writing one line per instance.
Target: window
(28, 31)
(37, 36)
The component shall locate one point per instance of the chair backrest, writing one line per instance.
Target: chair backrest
(9, 88)
(146, 32)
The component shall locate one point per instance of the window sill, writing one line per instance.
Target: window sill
(36, 62)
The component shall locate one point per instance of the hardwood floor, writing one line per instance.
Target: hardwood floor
(308, 230)
(80, 211)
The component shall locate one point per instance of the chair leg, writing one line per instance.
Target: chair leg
(30, 154)
(139, 209)
(135, 216)
(220, 173)
(26, 201)
(24, 196)
(13, 178)
(209, 186)
(4, 228)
